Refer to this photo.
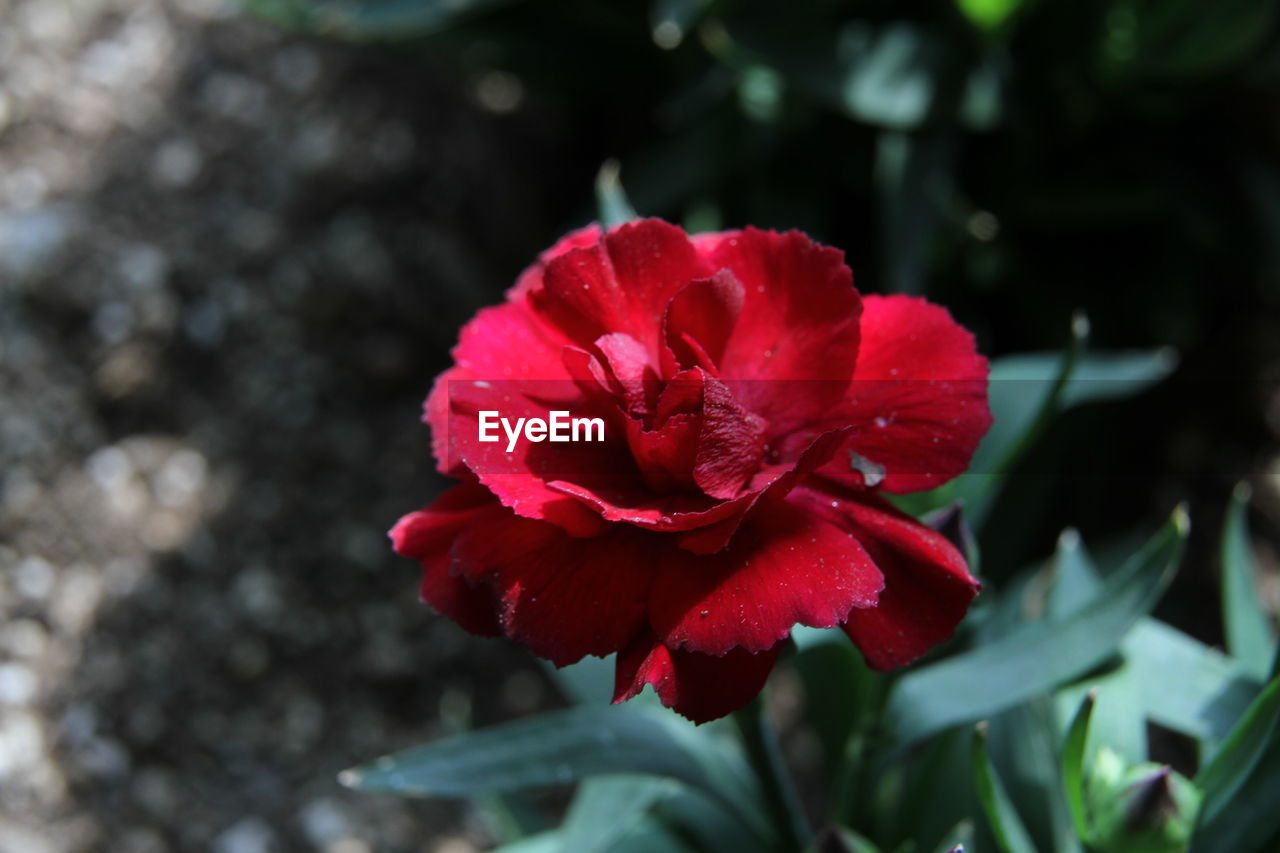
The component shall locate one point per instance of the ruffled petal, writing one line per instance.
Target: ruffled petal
(531, 278)
(697, 686)
(562, 597)
(927, 586)
(426, 536)
(623, 283)
(795, 342)
(699, 321)
(784, 566)
(484, 355)
(919, 398)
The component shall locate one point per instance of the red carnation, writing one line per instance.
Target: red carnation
(752, 404)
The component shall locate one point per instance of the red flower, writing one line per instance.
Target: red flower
(752, 404)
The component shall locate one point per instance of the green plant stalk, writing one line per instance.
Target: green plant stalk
(763, 753)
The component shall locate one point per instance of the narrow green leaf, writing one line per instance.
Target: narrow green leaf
(611, 199)
(1028, 391)
(1250, 819)
(1039, 656)
(1073, 753)
(841, 839)
(706, 827)
(959, 839)
(1209, 694)
(843, 692)
(1011, 836)
(561, 747)
(1024, 393)
(605, 808)
(1235, 760)
(1249, 637)
(760, 743)
(645, 835)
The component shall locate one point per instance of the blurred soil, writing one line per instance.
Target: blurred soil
(231, 262)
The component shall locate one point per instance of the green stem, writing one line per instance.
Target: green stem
(765, 756)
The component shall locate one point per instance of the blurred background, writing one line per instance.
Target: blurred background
(237, 241)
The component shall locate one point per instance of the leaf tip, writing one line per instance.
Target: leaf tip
(1080, 326)
(350, 778)
(1242, 492)
(1181, 519)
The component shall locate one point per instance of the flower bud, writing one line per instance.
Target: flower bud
(1147, 808)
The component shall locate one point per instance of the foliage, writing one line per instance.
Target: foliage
(1022, 160)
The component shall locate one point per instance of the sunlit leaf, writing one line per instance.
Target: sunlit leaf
(1209, 693)
(1073, 756)
(561, 747)
(611, 198)
(1249, 637)
(1034, 659)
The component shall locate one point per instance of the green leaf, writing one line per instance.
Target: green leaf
(707, 828)
(1240, 752)
(561, 747)
(1204, 701)
(543, 842)
(587, 682)
(611, 198)
(1207, 697)
(1249, 636)
(646, 835)
(841, 839)
(1073, 753)
(1026, 392)
(989, 14)
(888, 74)
(1250, 819)
(960, 838)
(843, 694)
(1117, 718)
(605, 808)
(368, 19)
(1011, 835)
(1040, 656)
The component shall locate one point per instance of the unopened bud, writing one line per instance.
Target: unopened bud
(1148, 808)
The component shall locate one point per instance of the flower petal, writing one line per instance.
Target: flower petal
(697, 686)
(699, 320)
(562, 597)
(795, 343)
(531, 278)
(785, 565)
(426, 535)
(927, 586)
(919, 396)
(621, 284)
